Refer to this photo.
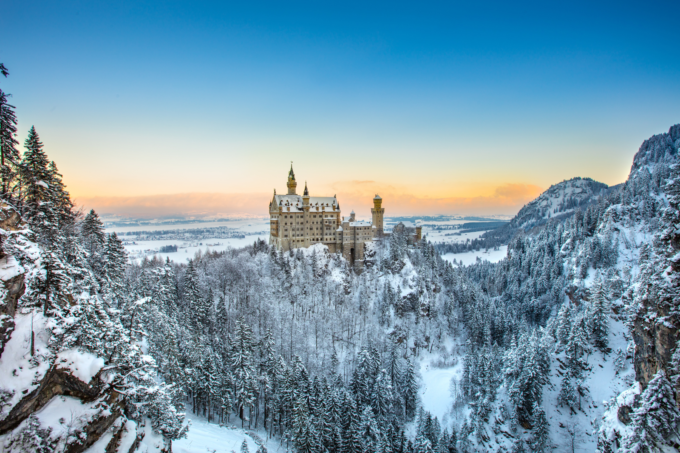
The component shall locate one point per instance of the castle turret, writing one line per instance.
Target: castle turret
(305, 197)
(292, 184)
(378, 211)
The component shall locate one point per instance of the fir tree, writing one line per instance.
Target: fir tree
(245, 378)
(9, 156)
(655, 421)
(598, 318)
(540, 435)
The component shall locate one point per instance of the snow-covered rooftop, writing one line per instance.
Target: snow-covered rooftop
(294, 202)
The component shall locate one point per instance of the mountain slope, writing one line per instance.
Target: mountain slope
(559, 202)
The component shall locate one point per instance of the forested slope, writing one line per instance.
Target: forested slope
(560, 202)
(72, 376)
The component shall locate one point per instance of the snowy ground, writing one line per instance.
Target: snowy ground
(245, 225)
(450, 237)
(435, 391)
(204, 437)
(252, 229)
(187, 250)
(471, 257)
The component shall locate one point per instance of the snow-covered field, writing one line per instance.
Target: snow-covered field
(204, 437)
(245, 225)
(187, 250)
(467, 258)
(250, 229)
(435, 391)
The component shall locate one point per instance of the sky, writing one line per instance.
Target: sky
(165, 108)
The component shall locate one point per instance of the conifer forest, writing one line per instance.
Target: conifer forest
(570, 343)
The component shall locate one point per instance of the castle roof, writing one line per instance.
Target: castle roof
(360, 223)
(294, 202)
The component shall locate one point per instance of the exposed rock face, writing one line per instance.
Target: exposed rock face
(10, 221)
(654, 346)
(56, 382)
(654, 331)
(659, 148)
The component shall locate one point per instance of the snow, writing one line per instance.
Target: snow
(152, 441)
(128, 437)
(19, 374)
(468, 258)
(83, 365)
(9, 268)
(103, 441)
(435, 391)
(65, 416)
(187, 250)
(295, 202)
(251, 229)
(207, 437)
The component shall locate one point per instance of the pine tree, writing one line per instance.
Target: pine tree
(61, 198)
(192, 295)
(540, 434)
(9, 156)
(244, 447)
(115, 264)
(94, 238)
(245, 378)
(410, 394)
(563, 324)
(598, 319)
(656, 420)
(37, 198)
(452, 441)
(576, 350)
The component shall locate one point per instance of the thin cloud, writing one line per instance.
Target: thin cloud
(352, 195)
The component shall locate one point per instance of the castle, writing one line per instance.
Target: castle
(301, 221)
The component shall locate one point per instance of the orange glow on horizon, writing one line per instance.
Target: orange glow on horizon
(352, 195)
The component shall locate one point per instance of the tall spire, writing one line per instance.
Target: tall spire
(306, 191)
(292, 184)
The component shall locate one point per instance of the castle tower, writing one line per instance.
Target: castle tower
(378, 212)
(305, 198)
(292, 184)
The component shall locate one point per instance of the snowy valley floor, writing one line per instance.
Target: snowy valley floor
(204, 437)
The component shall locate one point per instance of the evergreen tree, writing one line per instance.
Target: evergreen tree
(573, 382)
(245, 377)
(94, 238)
(410, 395)
(39, 209)
(540, 435)
(115, 263)
(598, 318)
(655, 421)
(9, 156)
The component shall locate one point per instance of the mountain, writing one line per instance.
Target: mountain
(559, 201)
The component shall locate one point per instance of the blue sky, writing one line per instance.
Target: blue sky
(438, 101)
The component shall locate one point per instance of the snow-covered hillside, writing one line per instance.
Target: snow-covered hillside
(560, 199)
